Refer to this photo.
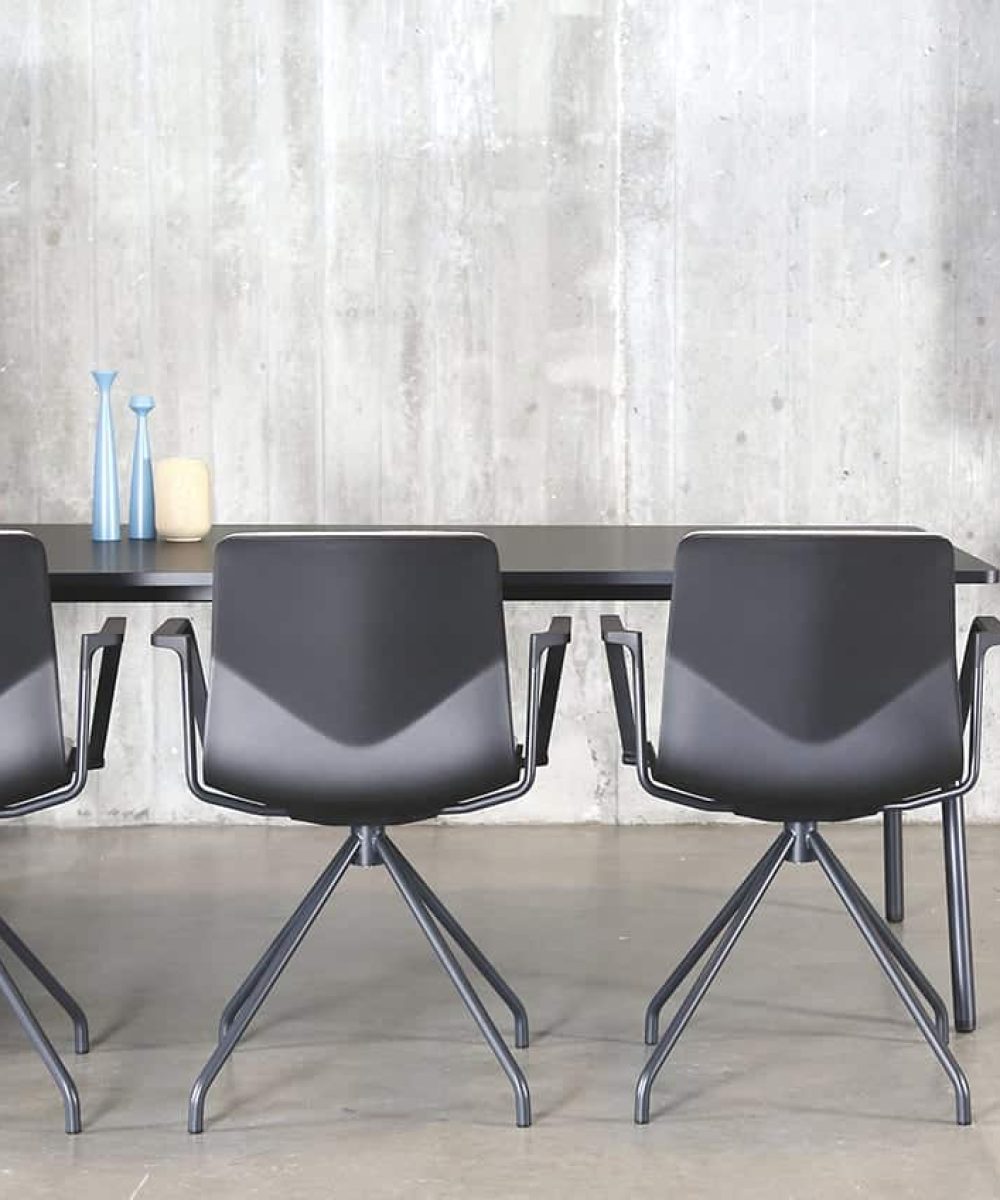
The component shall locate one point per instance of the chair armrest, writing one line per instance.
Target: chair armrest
(552, 643)
(109, 639)
(174, 634)
(111, 635)
(91, 719)
(984, 634)
(559, 633)
(630, 708)
(178, 634)
(616, 639)
(542, 694)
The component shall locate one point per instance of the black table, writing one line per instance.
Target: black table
(539, 562)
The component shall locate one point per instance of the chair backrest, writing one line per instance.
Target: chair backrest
(358, 672)
(811, 673)
(32, 751)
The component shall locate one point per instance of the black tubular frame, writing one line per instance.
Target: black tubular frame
(799, 842)
(178, 635)
(368, 846)
(617, 639)
(90, 734)
(87, 755)
(629, 691)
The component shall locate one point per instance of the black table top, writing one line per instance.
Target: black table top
(539, 562)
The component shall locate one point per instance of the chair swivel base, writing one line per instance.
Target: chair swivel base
(36, 1034)
(370, 846)
(799, 842)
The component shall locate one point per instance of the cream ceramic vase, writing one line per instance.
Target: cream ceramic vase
(183, 499)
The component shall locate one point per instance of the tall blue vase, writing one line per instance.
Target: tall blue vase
(141, 510)
(107, 507)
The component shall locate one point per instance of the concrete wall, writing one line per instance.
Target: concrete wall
(575, 261)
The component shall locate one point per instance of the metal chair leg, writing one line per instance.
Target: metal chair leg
(700, 948)
(892, 856)
(30, 1025)
(262, 989)
(472, 951)
(956, 865)
(290, 927)
(769, 866)
(896, 948)
(397, 871)
(81, 1033)
(842, 882)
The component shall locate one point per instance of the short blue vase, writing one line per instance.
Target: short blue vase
(142, 506)
(107, 506)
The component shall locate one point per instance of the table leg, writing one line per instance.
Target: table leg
(956, 868)
(892, 852)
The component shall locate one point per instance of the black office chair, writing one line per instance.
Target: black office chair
(361, 680)
(808, 678)
(38, 768)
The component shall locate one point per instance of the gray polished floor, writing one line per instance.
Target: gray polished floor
(801, 1075)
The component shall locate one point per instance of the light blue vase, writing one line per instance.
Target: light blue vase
(142, 508)
(107, 507)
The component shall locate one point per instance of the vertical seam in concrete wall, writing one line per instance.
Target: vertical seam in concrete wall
(319, 408)
(265, 128)
(378, 171)
(489, 259)
(897, 268)
(93, 230)
(151, 354)
(675, 307)
(211, 124)
(207, 51)
(807, 299)
(36, 315)
(619, 384)
(955, 372)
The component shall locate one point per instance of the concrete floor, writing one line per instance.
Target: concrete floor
(800, 1076)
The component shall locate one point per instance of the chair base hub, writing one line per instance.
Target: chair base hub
(367, 853)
